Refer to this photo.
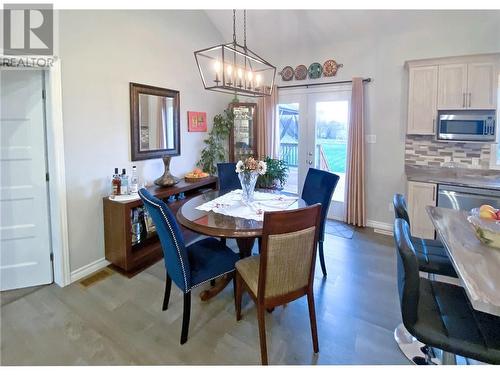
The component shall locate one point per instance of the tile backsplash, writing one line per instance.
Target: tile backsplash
(424, 150)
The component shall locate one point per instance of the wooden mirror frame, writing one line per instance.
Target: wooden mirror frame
(135, 134)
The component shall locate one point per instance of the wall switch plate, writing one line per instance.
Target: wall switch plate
(371, 138)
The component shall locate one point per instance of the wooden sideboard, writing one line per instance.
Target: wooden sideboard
(130, 258)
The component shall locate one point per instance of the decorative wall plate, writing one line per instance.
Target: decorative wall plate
(315, 70)
(330, 68)
(300, 72)
(287, 73)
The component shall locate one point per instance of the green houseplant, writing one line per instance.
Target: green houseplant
(275, 176)
(214, 150)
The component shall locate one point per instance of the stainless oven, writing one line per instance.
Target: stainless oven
(472, 126)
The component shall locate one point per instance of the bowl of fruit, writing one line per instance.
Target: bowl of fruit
(486, 222)
(195, 175)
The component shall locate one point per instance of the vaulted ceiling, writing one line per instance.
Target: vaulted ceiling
(278, 31)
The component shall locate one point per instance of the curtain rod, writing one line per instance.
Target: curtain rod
(321, 84)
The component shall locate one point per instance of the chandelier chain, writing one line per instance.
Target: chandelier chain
(234, 26)
(245, 28)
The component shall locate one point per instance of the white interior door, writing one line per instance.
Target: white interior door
(24, 227)
(313, 133)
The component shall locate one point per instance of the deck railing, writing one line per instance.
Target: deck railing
(289, 153)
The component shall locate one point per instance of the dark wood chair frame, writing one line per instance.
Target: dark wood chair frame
(280, 223)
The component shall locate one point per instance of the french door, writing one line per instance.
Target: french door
(313, 131)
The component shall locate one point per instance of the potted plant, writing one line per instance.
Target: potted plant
(214, 151)
(275, 176)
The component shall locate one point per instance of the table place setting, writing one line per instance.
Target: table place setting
(232, 204)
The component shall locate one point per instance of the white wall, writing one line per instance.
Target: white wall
(101, 52)
(381, 56)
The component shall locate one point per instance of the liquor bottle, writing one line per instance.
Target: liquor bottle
(116, 183)
(134, 181)
(124, 182)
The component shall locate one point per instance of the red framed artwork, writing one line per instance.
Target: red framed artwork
(197, 121)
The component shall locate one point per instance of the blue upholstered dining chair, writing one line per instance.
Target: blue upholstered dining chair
(228, 178)
(318, 188)
(188, 266)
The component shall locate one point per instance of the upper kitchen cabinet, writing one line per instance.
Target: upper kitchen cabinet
(452, 86)
(467, 86)
(422, 109)
(482, 83)
(465, 82)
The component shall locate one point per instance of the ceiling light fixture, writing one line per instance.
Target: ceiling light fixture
(233, 68)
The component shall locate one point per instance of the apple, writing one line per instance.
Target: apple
(487, 207)
(488, 214)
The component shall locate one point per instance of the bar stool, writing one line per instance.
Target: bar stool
(440, 314)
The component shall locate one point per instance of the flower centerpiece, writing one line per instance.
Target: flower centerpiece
(248, 171)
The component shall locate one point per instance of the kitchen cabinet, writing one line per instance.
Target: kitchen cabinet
(421, 195)
(482, 85)
(452, 86)
(422, 108)
(467, 86)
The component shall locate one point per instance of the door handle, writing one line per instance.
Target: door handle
(309, 162)
(310, 154)
(470, 97)
(433, 125)
(463, 100)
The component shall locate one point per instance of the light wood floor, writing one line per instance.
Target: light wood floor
(118, 321)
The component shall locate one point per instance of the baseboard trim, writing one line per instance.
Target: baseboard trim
(380, 227)
(88, 269)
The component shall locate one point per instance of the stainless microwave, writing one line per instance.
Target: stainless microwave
(471, 126)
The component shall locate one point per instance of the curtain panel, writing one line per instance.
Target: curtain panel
(355, 176)
(267, 132)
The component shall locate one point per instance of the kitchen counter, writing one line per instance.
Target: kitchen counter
(487, 179)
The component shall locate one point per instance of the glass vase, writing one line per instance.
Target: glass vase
(248, 181)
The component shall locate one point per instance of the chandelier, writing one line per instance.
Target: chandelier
(233, 68)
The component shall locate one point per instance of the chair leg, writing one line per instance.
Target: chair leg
(322, 258)
(166, 297)
(312, 318)
(237, 295)
(185, 317)
(262, 333)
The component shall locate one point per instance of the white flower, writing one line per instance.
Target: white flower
(262, 168)
(239, 167)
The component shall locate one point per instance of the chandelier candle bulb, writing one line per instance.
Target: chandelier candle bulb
(250, 78)
(229, 74)
(257, 81)
(217, 69)
(240, 76)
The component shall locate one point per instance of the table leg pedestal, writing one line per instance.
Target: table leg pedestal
(245, 246)
(220, 284)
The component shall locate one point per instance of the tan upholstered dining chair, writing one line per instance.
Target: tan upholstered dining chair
(284, 270)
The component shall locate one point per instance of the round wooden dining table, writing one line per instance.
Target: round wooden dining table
(213, 224)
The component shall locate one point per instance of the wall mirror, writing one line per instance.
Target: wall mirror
(154, 122)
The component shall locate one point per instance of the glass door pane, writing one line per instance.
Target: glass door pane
(288, 115)
(331, 124)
